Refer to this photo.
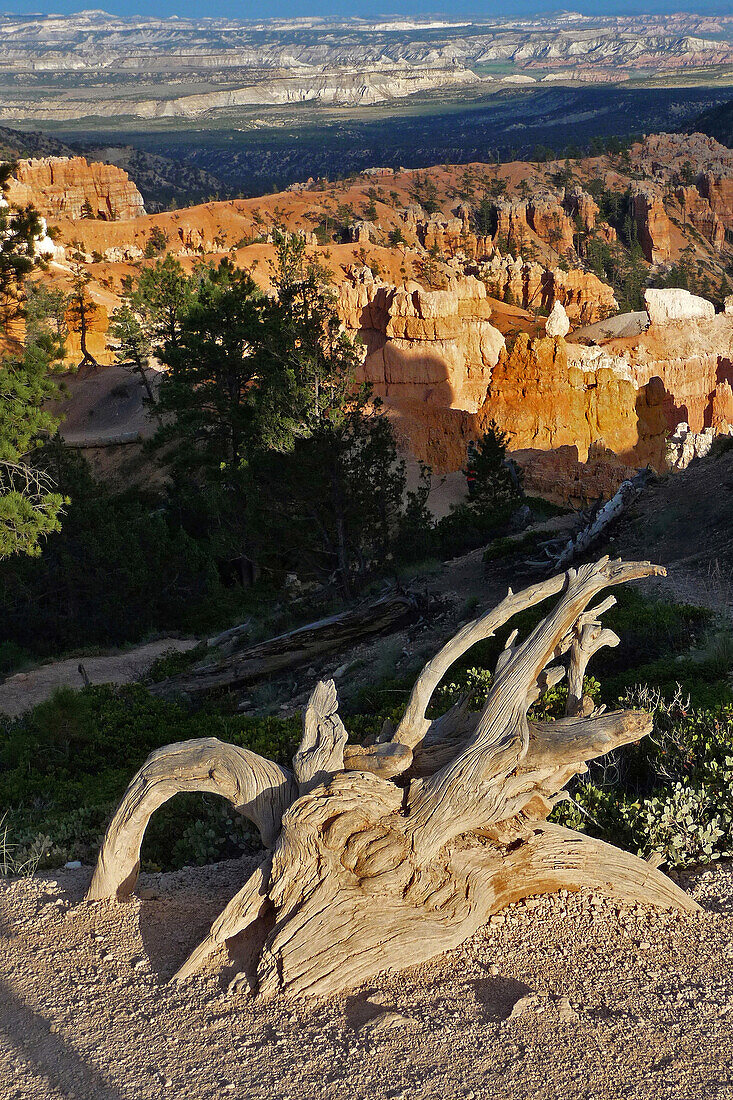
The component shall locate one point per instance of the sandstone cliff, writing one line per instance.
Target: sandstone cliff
(652, 223)
(585, 297)
(693, 361)
(68, 187)
(543, 399)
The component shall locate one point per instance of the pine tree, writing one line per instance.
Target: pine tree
(81, 311)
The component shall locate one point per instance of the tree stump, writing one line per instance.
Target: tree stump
(384, 856)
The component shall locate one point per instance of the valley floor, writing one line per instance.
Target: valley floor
(572, 997)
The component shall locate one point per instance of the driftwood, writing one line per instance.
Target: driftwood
(291, 650)
(559, 555)
(385, 856)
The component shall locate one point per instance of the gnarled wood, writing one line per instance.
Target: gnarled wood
(257, 788)
(321, 752)
(387, 855)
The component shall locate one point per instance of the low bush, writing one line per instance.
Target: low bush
(672, 793)
(65, 765)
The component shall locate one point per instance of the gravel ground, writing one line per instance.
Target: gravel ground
(571, 996)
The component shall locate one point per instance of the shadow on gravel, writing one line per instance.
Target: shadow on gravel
(497, 996)
(46, 1054)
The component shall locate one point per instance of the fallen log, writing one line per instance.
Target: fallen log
(292, 649)
(558, 558)
(381, 858)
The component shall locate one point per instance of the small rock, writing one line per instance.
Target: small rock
(565, 1010)
(525, 1004)
(387, 1021)
(73, 865)
(379, 997)
(557, 324)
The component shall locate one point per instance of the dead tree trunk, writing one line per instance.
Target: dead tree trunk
(385, 856)
(560, 555)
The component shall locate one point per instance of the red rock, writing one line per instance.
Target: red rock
(653, 225)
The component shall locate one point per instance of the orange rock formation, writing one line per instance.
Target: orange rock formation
(432, 346)
(65, 186)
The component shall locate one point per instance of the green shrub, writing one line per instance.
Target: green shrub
(671, 793)
(65, 765)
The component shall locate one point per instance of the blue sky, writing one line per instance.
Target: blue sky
(259, 9)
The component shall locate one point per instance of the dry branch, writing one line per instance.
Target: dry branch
(559, 556)
(387, 855)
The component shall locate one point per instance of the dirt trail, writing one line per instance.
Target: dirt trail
(573, 997)
(26, 689)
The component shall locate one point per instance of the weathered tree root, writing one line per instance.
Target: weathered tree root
(386, 856)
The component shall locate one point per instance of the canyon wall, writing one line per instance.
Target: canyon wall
(527, 284)
(693, 361)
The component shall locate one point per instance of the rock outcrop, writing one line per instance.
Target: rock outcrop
(68, 187)
(675, 306)
(693, 361)
(433, 346)
(583, 295)
(684, 445)
(543, 399)
(652, 223)
(557, 324)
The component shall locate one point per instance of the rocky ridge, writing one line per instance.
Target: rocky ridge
(439, 305)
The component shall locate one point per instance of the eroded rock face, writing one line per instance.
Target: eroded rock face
(693, 361)
(583, 295)
(560, 476)
(543, 399)
(69, 187)
(433, 346)
(652, 224)
(697, 211)
(673, 306)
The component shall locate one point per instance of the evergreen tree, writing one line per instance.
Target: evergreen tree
(30, 508)
(330, 508)
(492, 478)
(81, 311)
(208, 394)
(160, 299)
(19, 230)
